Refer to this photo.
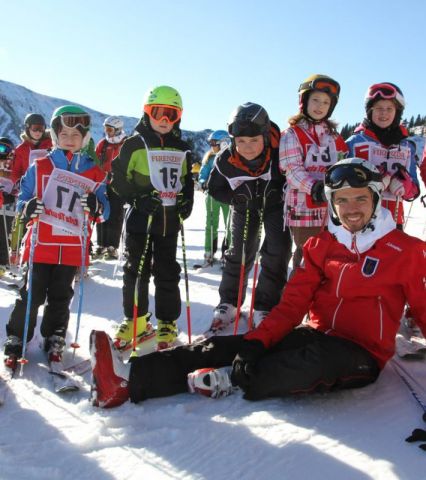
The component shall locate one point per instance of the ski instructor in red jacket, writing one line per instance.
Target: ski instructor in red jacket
(354, 281)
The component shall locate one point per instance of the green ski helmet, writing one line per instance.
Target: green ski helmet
(163, 95)
(70, 116)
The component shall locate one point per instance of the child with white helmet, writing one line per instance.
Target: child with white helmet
(108, 233)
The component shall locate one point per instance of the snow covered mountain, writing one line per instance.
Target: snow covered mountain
(16, 101)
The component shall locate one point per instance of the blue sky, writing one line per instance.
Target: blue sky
(218, 54)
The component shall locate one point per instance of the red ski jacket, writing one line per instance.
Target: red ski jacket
(106, 153)
(359, 297)
(22, 156)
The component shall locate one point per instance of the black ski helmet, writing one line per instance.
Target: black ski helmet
(33, 119)
(249, 120)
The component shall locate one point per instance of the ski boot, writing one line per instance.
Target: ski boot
(110, 374)
(12, 352)
(211, 382)
(98, 253)
(223, 316)
(124, 335)
(54, 346)
(111, 253)
(166, 334)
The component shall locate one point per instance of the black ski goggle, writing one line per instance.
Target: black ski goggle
(356, 175)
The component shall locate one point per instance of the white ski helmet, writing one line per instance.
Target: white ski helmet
(352, 173)
(114, 122)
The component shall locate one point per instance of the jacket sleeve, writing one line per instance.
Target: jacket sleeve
(188, 181)
(423, 166)
(292, 163)
(206, 168)
(415, 284)
(296, 298)
(218, 186)
(27, 188)
(121, 184)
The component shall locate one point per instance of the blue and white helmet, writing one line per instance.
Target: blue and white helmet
(220, 137)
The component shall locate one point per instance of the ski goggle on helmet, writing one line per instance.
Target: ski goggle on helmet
(323, 84)
(352, 172)
(5, 150)
(385, 91)
(160, 112)
(74, 120)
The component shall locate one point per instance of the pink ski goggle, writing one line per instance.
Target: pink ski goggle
(385, 91)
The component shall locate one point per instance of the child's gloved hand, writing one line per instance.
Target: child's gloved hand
(149, 203)
(33, 208)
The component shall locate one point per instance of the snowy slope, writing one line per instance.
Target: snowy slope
(353, 435)
(16, 101)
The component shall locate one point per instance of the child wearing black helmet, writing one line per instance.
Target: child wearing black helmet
(307, 148)
(246, 175)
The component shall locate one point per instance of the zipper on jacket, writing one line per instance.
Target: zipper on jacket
(379, 299)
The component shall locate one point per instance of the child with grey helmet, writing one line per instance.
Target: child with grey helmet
(53, 252)
(108, 233)
(218, 140)
(246, 176)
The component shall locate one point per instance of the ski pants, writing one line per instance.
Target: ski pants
(51, 283)
(300, 236)
(213, 209)
(275, 255)
(160, 261)
(304, 361)
(108, 233)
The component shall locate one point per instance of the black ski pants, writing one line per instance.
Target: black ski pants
(108, 233)
(160, 261)
(275, 255)
(305, 361)
(51, 283)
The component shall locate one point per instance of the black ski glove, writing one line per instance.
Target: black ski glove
(183, 206)
(245, 361)
(317, 192)
(149, 203)
(32, 209)
(90, 204)
(8, 198)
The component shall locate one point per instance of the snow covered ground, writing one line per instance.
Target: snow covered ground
(355, 434)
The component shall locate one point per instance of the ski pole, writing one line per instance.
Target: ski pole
(396, 213)
(225, 243)
(23, 360)
(242, 269)
(185, 270)
(398, 369)
(256, 267)
(211, 228)
(75, 344)
(6, 233)
(137, 284)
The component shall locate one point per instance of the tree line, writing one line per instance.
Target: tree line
(419, 120)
